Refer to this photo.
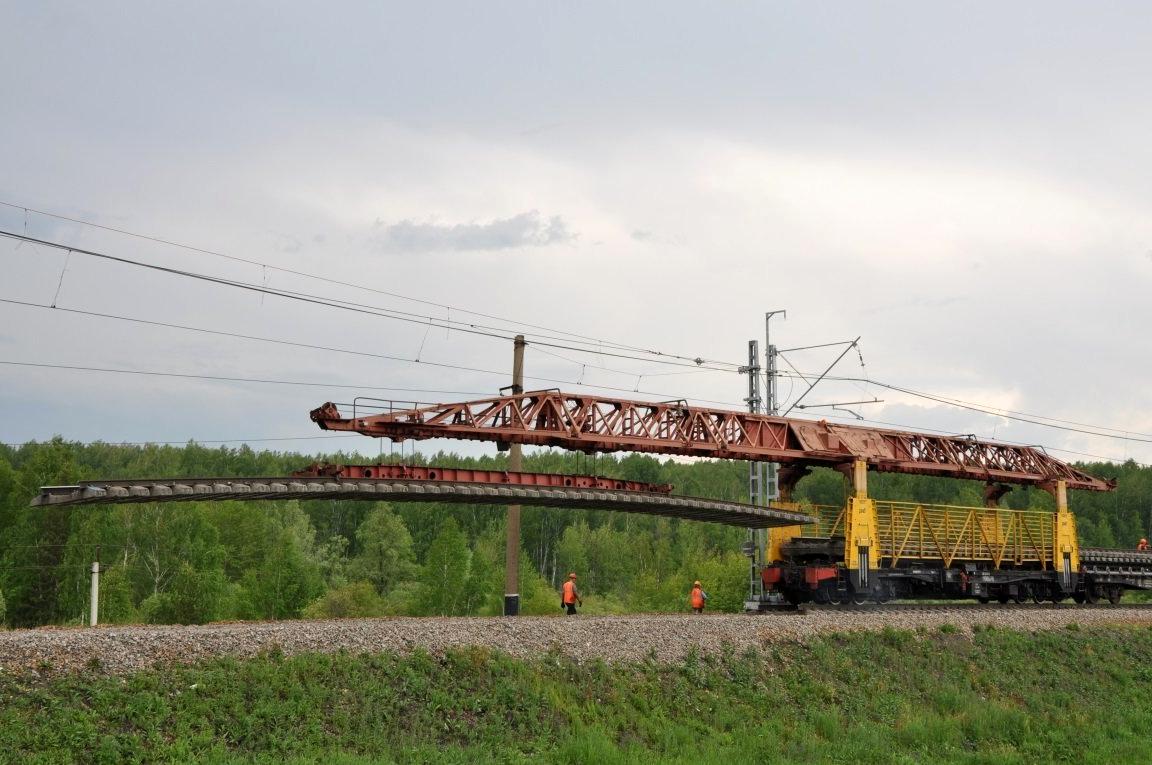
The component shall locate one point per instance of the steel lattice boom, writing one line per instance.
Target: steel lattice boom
(597, 424)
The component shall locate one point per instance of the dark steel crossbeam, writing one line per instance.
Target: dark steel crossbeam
(295, 487)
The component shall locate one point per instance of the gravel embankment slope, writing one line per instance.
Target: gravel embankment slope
(119, 650)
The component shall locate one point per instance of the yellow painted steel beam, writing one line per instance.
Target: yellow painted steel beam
(1065, 540)
(781, 534)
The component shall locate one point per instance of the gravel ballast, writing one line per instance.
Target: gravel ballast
(666, 637)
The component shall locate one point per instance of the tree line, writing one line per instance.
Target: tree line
(204, 561)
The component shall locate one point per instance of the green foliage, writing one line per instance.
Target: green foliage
(116, 601)
(194, 597)
(358, 599)
(725, 579)
(202, 561)
(3, 608)
(385, 556)
(994, 697)
(287, 579)
(447, 570)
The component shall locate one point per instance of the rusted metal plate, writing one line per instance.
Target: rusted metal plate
(470, 475)
(598, 424)
(399, 490)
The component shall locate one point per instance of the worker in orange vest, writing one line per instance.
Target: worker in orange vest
(1143, 545)
(697, 598)
(571, 597)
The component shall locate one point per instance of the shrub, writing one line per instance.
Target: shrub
(358, 599)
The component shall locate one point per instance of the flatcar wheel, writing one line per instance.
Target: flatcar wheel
(1021, 595)
(1092, 595)
(1078, 597)
(1037, 595)
(983, 599)
(1002, 598)
(1114, 595)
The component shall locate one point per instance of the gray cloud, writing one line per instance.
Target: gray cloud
(528, 229)
(788, 158)
(288, 243)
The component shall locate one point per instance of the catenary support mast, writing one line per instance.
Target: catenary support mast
(512, 534)
(756, 494)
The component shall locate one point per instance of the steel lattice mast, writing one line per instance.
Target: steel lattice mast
(597, 424)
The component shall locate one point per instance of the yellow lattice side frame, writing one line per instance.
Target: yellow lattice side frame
(911, 531)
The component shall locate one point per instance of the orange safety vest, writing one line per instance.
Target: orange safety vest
(569, 592)
(697, 597)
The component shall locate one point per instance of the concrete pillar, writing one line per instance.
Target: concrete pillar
(94, 608)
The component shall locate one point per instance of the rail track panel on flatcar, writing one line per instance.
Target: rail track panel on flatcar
(945, 551)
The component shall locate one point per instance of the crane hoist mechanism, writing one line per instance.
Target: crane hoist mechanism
(867, 550)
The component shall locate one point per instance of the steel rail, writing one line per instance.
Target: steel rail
(135, 491)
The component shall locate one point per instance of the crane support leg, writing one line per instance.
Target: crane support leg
(860, 533)
(1065, 546)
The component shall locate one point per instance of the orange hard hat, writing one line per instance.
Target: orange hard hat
(572, 575)
(696, 583)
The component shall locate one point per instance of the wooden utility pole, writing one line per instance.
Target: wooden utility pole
(512, 546)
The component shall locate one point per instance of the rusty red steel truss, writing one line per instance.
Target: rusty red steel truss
(469, 475)
(597, 424)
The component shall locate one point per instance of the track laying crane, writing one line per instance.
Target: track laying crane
(866, 550)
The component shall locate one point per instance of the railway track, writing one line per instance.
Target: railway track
(969, 609)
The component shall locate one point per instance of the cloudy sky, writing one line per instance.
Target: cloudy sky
(967, 188)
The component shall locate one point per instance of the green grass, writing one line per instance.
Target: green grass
(998, 697)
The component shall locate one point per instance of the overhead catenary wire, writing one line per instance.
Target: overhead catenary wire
(349, 351)
(985, 408)
(667, 396)
(590, 340)
(114, 442)
(822, 375)
(473, 329)
(225, 378)
(624, 372)
(1037, 420)
(1120, 435)
(386, 313)
(419, 390)
(360, 308)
